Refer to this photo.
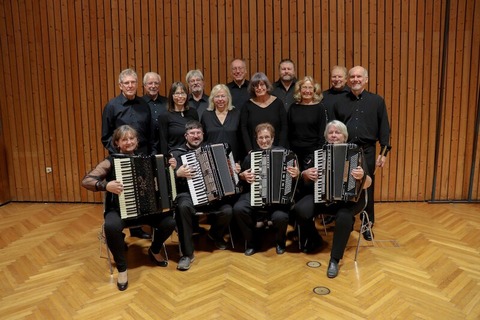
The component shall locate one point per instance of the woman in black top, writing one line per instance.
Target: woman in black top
(306, 120)
(221, 121)
(172, 125)
(102, 178)
(262, 107)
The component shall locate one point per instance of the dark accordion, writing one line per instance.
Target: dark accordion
(273, 184)
(335, 182)
(148, 183)
(215, 175)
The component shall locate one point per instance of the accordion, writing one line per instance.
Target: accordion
(335, 163)
(215, 175)
(148, 185)
(273, 184)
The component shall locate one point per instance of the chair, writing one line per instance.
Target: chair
(365, 225)
(201, 213)
(103, 244)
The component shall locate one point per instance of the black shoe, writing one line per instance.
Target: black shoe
(161, 263)
(220, 243)
(280, 249)
(197, 230)
(122, 286)
(139, 233)
(367, 235)
(249, 251)
(332, 270)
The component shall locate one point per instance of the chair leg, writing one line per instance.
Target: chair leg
(323, 223)
(231, 238)
(365, 225)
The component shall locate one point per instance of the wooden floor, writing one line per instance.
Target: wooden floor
(426, 265)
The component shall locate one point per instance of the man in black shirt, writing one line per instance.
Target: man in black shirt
(128, 108)
(197, 99)
(185, 211)
(284, 87)
(338, 80)
(238, 87)
(365, 115)
(157, 102)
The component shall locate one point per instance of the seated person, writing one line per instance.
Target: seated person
(102, 178)
(246, 215)
(185, 211)
(305, 209)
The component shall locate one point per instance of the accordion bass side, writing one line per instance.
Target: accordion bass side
(273, 184)
(215, 176)
(149, 185)
(335, 163)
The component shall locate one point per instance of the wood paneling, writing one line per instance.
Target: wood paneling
(60, 61)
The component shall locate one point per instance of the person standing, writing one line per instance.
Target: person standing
(339, 87)
(262, 107)
(284, 87)
(157, 102)
(128, 108)
(197, 99)
(365, 115)
(239, 86)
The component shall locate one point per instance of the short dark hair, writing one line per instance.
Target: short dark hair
(193, 124)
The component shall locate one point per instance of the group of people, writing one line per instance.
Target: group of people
(248, 115)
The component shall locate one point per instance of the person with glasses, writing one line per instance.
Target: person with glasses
(197, 99)
(220, 210)
(172, 125)
(239, 85)
(157, 102)
(128, 108)
(262, 107)
(221, 121)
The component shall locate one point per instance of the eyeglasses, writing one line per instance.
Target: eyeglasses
(195, 80)
(194, 133)
(126, 83)
(179, 94)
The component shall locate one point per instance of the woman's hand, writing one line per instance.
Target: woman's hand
(310, 174)
(248, 176)
(114, 186)
(293, 171)
(358, 173)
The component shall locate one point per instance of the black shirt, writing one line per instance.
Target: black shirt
(158, 107)
(331, 96)
(200, 105)
(216, 132)
(240, 94)
(365, 117)
(285, 95)
(136, 113)
(172, 128)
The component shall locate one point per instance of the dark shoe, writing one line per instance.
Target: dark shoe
(161, 263)
(139, 233)
(332, 270)
(220, 243)
(367, 235)
(122, 286)
(249, 251)
(197, 230)
(280, 249)
(185, 262)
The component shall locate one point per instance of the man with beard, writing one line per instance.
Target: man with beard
(365, 115)
(197, 99)
(239, 86)
(284, 87)
(185, 211)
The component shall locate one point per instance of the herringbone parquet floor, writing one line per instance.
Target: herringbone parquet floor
(425, 265)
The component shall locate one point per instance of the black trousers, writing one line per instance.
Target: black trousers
(305, 210)
(247, 216)
(163, 225)
(184, 216)
(370, 159)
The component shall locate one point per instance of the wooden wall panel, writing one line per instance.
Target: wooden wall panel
(60, 61)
